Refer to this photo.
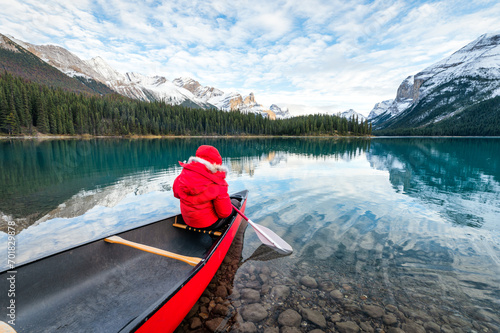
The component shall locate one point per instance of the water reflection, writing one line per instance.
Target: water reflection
(457, 177)
(39, 176)
(62, 193)
(404, 228)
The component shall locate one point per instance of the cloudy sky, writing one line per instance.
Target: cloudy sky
(312, 55)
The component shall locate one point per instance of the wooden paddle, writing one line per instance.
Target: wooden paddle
(267, 236)
(193, 261)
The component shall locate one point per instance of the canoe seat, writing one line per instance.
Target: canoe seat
(179, 223)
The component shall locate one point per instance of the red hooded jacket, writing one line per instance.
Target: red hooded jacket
(202, 189)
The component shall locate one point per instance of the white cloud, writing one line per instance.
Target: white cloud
(336, 53)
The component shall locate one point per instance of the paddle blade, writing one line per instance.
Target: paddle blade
(265, 253)
(269, 238)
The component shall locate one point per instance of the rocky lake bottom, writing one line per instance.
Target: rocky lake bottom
(282, 296)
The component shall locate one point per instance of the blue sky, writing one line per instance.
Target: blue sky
(313, 56)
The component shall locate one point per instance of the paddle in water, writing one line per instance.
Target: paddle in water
(267, 236)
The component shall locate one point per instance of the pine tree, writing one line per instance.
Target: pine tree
(26, 111)
(4, 111)
(12, 124)
(42, 117)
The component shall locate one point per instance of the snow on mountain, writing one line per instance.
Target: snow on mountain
(146, 88)
(380, 108)
(468, 76)
(5, 43)
(234, 101)
(15, 40)
(349, 113)
(204, 93)
(229, 101)
(480, 57)
(280, 112)
(62, 59)
(104, 71)
(183, 90)
(49, 65)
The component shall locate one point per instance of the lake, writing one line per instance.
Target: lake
(388, 233)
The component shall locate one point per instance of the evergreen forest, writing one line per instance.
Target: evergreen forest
(27, 108)
(481, 119)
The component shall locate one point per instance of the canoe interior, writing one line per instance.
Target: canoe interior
(101, 287)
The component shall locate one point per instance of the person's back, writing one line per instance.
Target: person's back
(202, 189)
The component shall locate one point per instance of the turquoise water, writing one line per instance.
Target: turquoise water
(409, 226)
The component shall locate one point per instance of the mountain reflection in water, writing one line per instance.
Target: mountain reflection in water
(457, 177)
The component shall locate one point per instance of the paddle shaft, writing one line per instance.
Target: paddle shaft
(253, 224)
(193, 261)
(241, 214)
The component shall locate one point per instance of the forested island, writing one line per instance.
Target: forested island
(28, 108)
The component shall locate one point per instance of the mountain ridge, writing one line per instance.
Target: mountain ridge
(181, 91)
(22, 62)
(448, 89)
(350, 113)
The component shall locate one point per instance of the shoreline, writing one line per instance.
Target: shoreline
(142, 137)
(90, 137)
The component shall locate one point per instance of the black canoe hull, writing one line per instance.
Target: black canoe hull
(102, 287)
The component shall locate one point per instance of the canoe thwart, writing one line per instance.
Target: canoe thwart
(208, 232)
(193, 261)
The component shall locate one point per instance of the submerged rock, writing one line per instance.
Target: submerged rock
(221, 291)
(373, 311)
(290, 317)
(247, 327)
(195, 323)
(290, 330)
(250, 295)
(254, 312)
(308, 281)
(272, 330)
(314, 317)
(337, 294)
(389, 319)
(432, 327)
(395, 330)
(347, 327)
(366, 327)
(213, 324)
(413, 328)
(336, 317)
(280, 292)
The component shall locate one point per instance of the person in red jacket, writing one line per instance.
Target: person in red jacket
(202, 189)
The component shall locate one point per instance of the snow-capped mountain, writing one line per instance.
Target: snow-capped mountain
(102, 71)
(60, 58)
(183, 90)
(380, 108)
(38, 64)
(447, 88)
(145, 88)
(229, 101)
(349, 113)
(204, 93)
(280, 112)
